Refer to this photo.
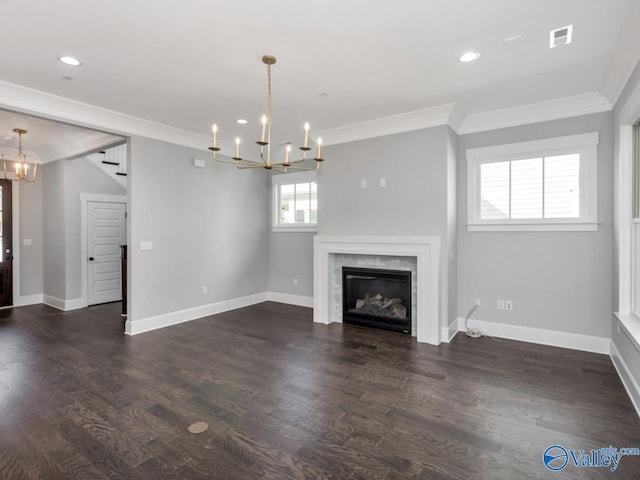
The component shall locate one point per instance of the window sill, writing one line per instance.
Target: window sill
(534, 227)
(294, 228)
(631, 325)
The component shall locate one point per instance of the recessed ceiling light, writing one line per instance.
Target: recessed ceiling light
(469, 56)
(74, 62)
(242, 121)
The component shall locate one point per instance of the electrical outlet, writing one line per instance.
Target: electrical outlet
(205, 291)
(295, 281)
(477, 302)
(500, 304)
(508, 305)
(363, 183)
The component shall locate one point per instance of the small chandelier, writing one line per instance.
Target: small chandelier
(20, 171)
(265, 141)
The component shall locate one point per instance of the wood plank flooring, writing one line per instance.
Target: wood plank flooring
(289, 399)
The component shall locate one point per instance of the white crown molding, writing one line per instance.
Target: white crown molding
(584, 104)
(449, 114)
(54, 107)
(404, 122)
(42, 104)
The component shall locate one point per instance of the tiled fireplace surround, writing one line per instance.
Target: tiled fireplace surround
(420, 255)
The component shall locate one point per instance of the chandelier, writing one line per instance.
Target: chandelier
(265, 141)
(20, 171)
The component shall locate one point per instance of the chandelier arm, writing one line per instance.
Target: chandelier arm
(290, 167)
(265, 162)
(289, 163)
(244, 167)
(236, 161)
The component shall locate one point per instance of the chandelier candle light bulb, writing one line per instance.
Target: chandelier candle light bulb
(264, 125)
(237, 157)
(306, 134)
(286, 157)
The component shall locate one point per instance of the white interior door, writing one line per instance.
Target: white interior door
(106, 232)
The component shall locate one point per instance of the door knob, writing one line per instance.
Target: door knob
(91, 259)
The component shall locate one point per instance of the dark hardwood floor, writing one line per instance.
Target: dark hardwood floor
(288, 399)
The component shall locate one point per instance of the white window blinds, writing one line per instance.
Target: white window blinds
(533, 188)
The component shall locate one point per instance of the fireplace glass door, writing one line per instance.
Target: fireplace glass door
(377, 298)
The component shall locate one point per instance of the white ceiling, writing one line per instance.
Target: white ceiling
(47, 141)
(191, 63)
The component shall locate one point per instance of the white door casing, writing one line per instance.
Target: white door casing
(106, 231)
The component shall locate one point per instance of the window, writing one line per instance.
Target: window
(546, 184)
(295, 201)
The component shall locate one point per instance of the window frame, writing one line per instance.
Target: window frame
(586, 145)
(635, 219)
(277, 181)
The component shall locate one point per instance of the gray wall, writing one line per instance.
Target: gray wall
(53, 226)
(209, 227)
(30, 226)
(81, 176)
(419, 199)
(63, 181)
(414, 200)
(291, 256)
(556, 280)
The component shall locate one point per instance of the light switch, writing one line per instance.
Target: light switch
(199, 163)
(383, 182)
(146, 245)
(363, 183)
(27, 242)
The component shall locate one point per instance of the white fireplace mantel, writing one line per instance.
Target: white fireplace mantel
(426, 250)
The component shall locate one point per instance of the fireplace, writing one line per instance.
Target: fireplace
(423, 252)
(378, 298)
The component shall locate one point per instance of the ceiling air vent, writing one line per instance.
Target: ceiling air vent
(560, 36)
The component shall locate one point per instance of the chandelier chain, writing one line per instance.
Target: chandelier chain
(269, 92)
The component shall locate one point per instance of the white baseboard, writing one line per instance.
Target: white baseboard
(574, 341)
(173, 318)
(290, 299)
(25, 300)
(449, 332)
(628, 380)
(65, 305)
